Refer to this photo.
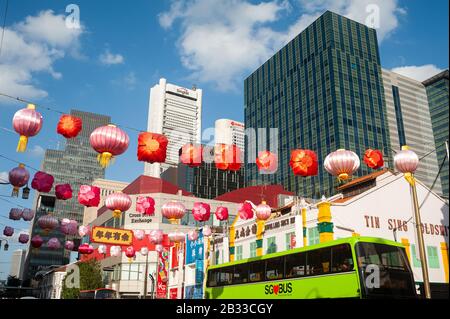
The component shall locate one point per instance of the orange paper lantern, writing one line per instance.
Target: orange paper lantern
(227, 157)
(69, 126)
(373, 158)
(304, 162)
(152, 147)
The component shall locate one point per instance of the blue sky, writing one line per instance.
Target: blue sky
(124, 47)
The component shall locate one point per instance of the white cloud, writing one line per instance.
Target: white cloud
(419, 73)
(4, 177)
(108, 58)
(129, 81)
(31, 47)
(221, 41)
(37, 151)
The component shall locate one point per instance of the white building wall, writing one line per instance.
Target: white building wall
(230, 132)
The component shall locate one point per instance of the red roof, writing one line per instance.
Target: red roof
(256, 194)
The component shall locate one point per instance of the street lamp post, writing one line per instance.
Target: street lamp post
(146, 276)
(406, 161)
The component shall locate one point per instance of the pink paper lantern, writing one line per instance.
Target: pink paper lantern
(69, 245)
(63, 191)
(18, 177)
(173, 211)
(28, 214)
(69, 227)
(42, 182)
(115, 251)
(159, 248)
(118, 203)
(156, 236)
(8, 231)
(263, 211)
(86, 249)
(207, 231)
(83, 231)
(53, 243)
(221, 213)
(144, 251)
(139, 234)
(15, 213)
(342, 163)
(406, 161)
(145, 205)
(24, 238)
(102, 249)
(192, 235)
(89, 196)
(201, 212)
(27, 123)
(109, 141)
(176, 237)
(47, 223)
(36, 241)
(245, 211)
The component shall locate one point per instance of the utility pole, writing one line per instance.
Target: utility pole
(146, 276)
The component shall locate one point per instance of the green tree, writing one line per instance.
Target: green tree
(90, 278)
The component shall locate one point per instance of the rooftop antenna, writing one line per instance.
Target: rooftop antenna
(194, 87)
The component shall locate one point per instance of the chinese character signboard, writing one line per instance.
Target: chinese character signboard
(112, 236)
(163, 269)
(194, 249)
(195, 255)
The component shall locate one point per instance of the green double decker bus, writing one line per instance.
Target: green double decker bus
(355, 267)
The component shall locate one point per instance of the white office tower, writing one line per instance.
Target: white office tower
(175, 112)
(17, 263)
(410, 124)
(230, 132)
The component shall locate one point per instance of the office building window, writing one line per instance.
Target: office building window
(433, 258)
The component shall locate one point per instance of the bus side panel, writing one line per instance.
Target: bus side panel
(344, 285)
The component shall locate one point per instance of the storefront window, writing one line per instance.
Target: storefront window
(271, 245)
(433, 259)
(415, 259)
(289, 241)
(252, 249)
(313, 236)
(238, 252)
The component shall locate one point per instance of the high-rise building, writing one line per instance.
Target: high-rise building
(75, 165)
(107, 187)
(17, 263)
(175, 112)
(410, 123)
(323, 91)
(438, 101)
(230, 132)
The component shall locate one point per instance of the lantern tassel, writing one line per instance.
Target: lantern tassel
(22, 145)
(117, 213)
(15, 192)
(343, 176)
(410, 178)
(104, 159)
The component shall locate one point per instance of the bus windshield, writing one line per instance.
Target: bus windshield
(390, 262)
(102, 293)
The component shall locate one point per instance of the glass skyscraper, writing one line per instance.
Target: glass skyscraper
(75, 165)
(323, 91)
(438, 101)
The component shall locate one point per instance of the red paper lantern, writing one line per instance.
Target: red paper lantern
(245, 211)
(118, 203)
(36, 241)
(108, 141)
(130, 252)
(156, 236)
(152, 147)
(27, 123)
(63, 191)
(42, 182)
(85, 249)
(89, 196)
(191, 155)
(373, 158)
(69, 126)
(227, 157)
(15, 213)
(267, 162)
(201, 212)
(173, 211)
(47, 223)
(304, 162)
(221, 213)
(145, 205)
(18, 177)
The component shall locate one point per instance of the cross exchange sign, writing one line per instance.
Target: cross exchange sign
(112, 236)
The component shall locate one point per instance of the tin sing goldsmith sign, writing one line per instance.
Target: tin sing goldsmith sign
(112, 236)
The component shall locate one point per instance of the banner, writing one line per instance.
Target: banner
(112, 236)
(162, 279)
(173, 293)
(194, 249)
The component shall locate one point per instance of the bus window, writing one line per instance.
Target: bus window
(224, 276)
(342, 259)
(275, 268)
(213, 278)
(256, 271)
(318, 261)
(87, 294)
(105, 294)
(240, 275)
(295, 265)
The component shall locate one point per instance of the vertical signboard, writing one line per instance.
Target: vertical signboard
(195, 255)
(162, 278)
